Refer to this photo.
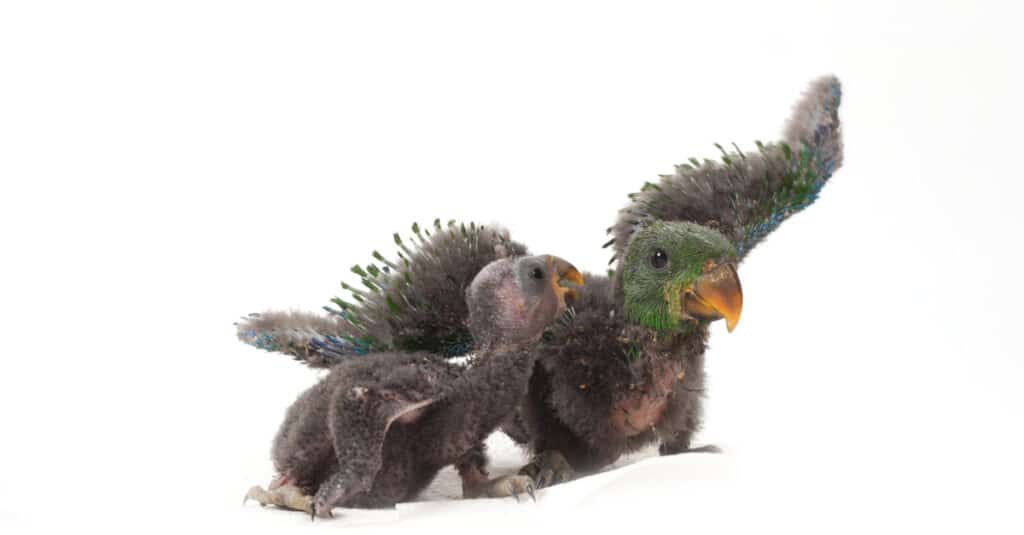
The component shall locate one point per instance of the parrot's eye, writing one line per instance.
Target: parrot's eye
(537, 273)
(659, 259)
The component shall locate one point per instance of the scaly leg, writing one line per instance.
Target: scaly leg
(475, 483)
(500, 487)
(681, 444)
(281, 493)
(548, 468)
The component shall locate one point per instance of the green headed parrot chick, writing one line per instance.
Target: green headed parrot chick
(628, 371)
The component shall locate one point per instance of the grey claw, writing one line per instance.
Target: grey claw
(529, 490)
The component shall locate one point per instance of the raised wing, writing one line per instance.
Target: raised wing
(412, 302)
(748, 195)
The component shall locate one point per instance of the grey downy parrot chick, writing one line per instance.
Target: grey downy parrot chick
(378, 428)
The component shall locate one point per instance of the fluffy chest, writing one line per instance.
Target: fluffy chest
(639, 407)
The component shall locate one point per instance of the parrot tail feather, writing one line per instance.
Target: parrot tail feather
(316, 341)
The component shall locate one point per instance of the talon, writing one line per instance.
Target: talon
(548, 468)
(529, 470)
(254, 494)
(315, 511)
(512, 485)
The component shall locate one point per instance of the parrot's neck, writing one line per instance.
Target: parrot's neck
(496, 380)
(646, 344)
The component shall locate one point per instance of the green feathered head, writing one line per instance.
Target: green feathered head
(679, 272)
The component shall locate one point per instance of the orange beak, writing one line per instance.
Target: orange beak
(562, 271)
(715, 295)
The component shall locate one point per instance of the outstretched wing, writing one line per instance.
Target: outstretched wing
(418, 302)
(412, 302)
(746, 196)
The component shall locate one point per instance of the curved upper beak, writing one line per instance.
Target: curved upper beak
(560, 271)
(716, 294)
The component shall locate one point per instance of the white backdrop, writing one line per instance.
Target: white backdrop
(167, 167)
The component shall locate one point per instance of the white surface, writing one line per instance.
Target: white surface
(168, 167)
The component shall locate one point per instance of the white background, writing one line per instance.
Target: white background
(167, 167)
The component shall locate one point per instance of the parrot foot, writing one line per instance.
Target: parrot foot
(501, 487)
(337, 490)
(287, 496)
(548, 468)
(667, 449)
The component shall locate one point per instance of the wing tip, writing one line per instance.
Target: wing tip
(815, 118)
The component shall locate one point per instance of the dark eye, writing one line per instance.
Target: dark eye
(659, 259)
(537, 273)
